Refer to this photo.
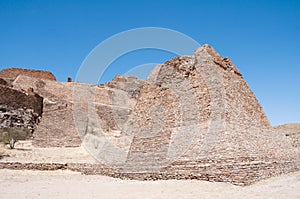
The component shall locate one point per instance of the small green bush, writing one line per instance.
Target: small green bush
(12, 135)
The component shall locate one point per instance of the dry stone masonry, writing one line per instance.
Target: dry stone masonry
(18, 118)
(57, 127)
(12, 73)
(19, 99)
(19, 109)
(193, 118)
(292, 131)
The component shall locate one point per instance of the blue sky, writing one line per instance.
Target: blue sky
(260, 37)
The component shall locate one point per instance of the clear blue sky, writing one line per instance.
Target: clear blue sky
(261, 37)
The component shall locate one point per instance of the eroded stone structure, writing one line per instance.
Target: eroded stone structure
(19, 109)
(292, 131)
(10, 74)
(194, 118)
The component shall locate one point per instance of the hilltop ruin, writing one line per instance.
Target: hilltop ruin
(193, 118)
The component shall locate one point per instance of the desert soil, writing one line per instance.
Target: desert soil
(25, 152)
(67, 184)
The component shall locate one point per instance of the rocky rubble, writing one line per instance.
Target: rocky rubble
(19, 109)
(3, 82)
(18, 118)
(19, 99)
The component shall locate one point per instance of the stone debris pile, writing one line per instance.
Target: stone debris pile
(18, 118)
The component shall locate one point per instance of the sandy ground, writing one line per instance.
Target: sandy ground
(67, 184)
(24, 152)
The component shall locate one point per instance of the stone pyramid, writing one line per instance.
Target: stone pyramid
(195, 117)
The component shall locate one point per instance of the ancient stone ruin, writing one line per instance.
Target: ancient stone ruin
(19, 109)
(10, 74)
(193, 118)
(291, 131)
